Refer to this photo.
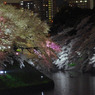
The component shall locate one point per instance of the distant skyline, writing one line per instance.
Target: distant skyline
(59, 2)
(10, 1)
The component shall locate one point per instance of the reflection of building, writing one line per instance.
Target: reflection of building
(81, 3)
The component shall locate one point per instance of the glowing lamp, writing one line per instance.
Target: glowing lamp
(51, 21)
(9, 47)
(3, 72)
(17, 53)
(42, 77)
(5, 2)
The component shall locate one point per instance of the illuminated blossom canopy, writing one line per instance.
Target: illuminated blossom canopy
(23, 33)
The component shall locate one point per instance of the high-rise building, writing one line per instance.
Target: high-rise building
(49, 9)
(94, 3)
(45, 8)
(27, 5)
(91, 2)
(82, 3)
(34, 5)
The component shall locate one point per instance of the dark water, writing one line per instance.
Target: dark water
(72, 83)
(68, 83)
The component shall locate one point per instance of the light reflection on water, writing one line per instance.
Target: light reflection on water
(72, 83)
(69, 83)
(42, 93)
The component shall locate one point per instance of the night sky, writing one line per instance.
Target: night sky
(59, 2)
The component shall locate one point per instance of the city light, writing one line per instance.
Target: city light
(5, 2)
(17, 53)
(3, 72)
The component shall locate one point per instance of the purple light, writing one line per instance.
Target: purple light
(48, 43)
(36, 52)
(17, 53)
(52, 45)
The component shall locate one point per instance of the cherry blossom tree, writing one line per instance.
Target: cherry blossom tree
(24, 34)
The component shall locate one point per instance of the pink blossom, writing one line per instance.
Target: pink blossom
(2, 19)
(52, 45)
(36, 52)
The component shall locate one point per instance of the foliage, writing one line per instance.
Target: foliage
(68, 17)
(78, 46)
(23, 33)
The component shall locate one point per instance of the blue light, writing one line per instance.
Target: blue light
(3, 72)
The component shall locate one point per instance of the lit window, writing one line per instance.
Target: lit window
(43, 4)
(21, 3)
(80, 0)
(85, 1)
(49, 7)
(5, 2)
(76, 1)
(3, 72)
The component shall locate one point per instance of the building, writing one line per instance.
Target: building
(82, 3)
(49, 9)
(45, 8)
(10, 1)
(91, 2)
(27, 5)
(16, 5)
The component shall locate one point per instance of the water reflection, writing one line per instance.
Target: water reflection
(68, 83)
(42, 93)
(61, 83)
(72, 83)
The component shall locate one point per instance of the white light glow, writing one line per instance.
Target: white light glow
(42, 93)
(9, 46)
(81, 1)
(42, 77)
(85, 0)
(17, 53)
(3, 72)
(76, 1)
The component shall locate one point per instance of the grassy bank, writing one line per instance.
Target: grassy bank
(27, 77)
